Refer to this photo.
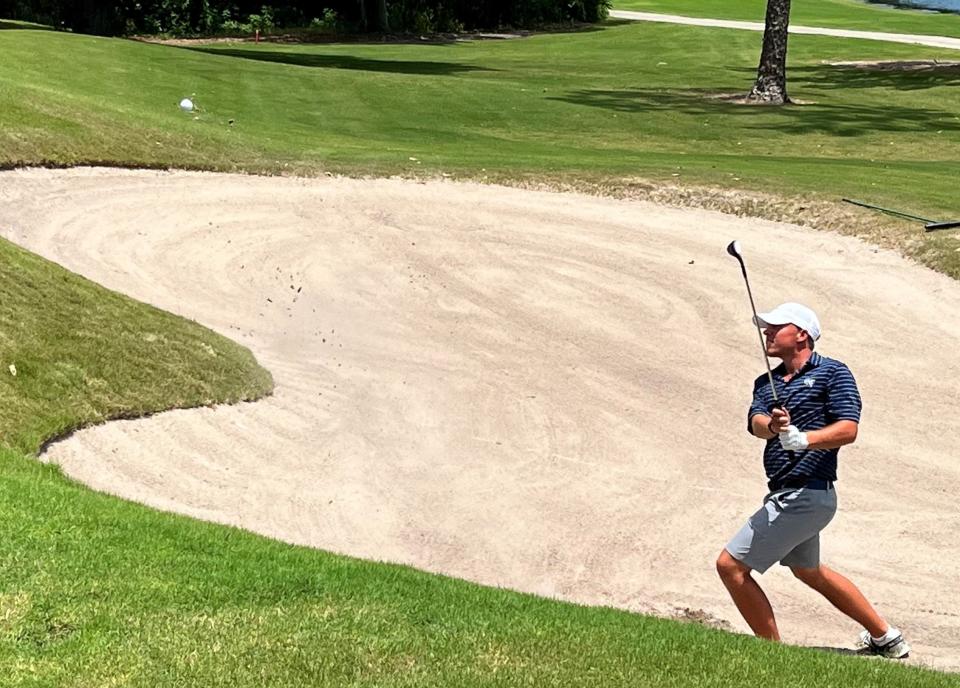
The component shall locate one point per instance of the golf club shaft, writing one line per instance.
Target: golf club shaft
(763, 345)
(734, 250)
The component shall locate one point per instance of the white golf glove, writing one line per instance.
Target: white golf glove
(792, 439)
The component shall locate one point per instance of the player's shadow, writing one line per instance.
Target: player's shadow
(838, 650)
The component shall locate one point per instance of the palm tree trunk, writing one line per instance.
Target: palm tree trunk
(771, 84)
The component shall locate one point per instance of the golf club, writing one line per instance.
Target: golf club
(733, 248)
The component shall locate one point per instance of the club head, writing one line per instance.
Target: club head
(733, 248)
(934, 226)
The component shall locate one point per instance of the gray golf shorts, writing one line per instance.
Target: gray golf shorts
(785, 529)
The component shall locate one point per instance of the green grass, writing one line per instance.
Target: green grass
(628, 100)
(73, 353)
(100, 592)
(838, 14)
(95, 591)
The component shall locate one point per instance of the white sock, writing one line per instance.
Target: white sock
(886, 637)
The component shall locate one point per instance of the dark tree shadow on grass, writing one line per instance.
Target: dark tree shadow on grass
(901, 75)
(316, 37)
(848, 119)
(346, 62)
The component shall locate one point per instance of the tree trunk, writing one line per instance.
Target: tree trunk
(363, 15)
(383, 23)
(771, 84)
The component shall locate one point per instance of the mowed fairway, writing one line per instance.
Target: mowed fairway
(607, 105)
(538, 391)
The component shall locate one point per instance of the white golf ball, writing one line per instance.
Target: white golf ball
(186, 105)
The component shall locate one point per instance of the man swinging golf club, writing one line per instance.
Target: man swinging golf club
(805, 410)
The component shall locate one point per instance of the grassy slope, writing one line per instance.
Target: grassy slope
(82, 354)
(841, 14)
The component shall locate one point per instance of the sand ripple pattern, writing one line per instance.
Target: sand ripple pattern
(540, 391)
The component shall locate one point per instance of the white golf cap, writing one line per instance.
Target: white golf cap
(793, 314)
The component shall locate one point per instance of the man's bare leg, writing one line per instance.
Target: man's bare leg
(748, 596)
(843, 595)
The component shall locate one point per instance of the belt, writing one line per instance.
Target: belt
(797, 484)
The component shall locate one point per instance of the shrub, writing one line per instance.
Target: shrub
(262, 22)
(194, 17)
(329, 22)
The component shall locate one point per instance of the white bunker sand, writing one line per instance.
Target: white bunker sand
(540, 391)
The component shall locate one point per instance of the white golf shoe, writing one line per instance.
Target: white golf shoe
(894, 648)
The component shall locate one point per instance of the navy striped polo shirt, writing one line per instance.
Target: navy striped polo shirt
(821, 393)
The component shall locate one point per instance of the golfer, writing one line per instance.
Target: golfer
(820, 414)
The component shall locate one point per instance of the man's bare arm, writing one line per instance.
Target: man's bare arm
(760, 427)
(835, 435)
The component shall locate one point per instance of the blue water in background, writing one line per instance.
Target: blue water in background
(938, 5)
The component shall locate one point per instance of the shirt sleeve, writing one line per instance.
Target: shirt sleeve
(843, 397)
(760, 404)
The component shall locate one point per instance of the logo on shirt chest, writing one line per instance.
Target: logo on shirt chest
(809, 381)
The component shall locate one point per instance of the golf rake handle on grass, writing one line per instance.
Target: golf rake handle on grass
(929, 225)
(934, 226)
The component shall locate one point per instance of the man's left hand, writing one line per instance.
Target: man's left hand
(792, 439)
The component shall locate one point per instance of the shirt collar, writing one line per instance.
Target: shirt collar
(812, 362)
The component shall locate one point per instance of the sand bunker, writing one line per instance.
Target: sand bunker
(540, 391)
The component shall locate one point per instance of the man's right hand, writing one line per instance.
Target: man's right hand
(779, 420)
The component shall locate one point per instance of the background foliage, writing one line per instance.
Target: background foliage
(196, 17)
